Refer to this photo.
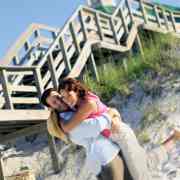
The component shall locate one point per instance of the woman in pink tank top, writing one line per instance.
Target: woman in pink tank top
(84, 102)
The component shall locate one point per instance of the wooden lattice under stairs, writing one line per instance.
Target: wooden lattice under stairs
(43, 55)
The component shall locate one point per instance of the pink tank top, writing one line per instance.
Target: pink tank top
(101, 108)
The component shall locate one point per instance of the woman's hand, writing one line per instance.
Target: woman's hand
(115, 125)
(116, 120)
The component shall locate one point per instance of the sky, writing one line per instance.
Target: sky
(16, 15)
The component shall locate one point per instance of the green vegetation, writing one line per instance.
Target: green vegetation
(151, 115)
(160, 59)
(144, 137)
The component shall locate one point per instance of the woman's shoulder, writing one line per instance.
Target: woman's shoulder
(92, 96)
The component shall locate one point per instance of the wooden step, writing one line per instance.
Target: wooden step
(23, 116)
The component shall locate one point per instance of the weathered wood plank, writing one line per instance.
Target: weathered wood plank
(165, 19)
(17, 68)
(6, 91)
(23, 115)
(124, 21)
(1, 167)
(25, 100)
(19, 73)
(65, 57)
(38, 80)
(53, 71)
(74, 36)
(83, 26)
(22, 88)
(157, 16)
(81, 61)
(114, 31)
(143, 11)
(93, 67)
(97, 19)
(173, 21)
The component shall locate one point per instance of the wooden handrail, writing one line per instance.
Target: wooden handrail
(13, 51)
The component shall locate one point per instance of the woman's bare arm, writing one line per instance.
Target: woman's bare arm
(83, 112)
(116, 119)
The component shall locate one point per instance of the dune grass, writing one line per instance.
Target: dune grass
(158, 59)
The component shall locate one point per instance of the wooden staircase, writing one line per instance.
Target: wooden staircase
(43, 55)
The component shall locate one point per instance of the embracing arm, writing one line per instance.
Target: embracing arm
(83, 112)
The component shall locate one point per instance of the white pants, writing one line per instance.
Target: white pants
(141, 164)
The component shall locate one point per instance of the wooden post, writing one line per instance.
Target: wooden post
(74, 37)
(139, 45)
(143, 11)
(38, 80)
(115, 36)
(54, 154)
(173, 21)
(52, 70)
(130, 11)
(51, 140)
(6, 91)
(93, 67)
(65, 56)
(165, 19)
(1, 168)
(124, 21)
(99, 25)
(85, 33)
(157, 15)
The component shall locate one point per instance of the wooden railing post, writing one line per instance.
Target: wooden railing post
(143, 11)
(51, 140)
(173, 21)
(74, 37)
(93, 67)
(97, 20)
(115, 36)
(84, 30)
(65, 57)
(124, 21)
(6, 90)
(139, 45)
(130, 10)
(165, 18)
(52, 70)
(38, 80)
(157, 15)
(1, 168)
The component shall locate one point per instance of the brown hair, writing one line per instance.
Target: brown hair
(72, 84)
(45, 95)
